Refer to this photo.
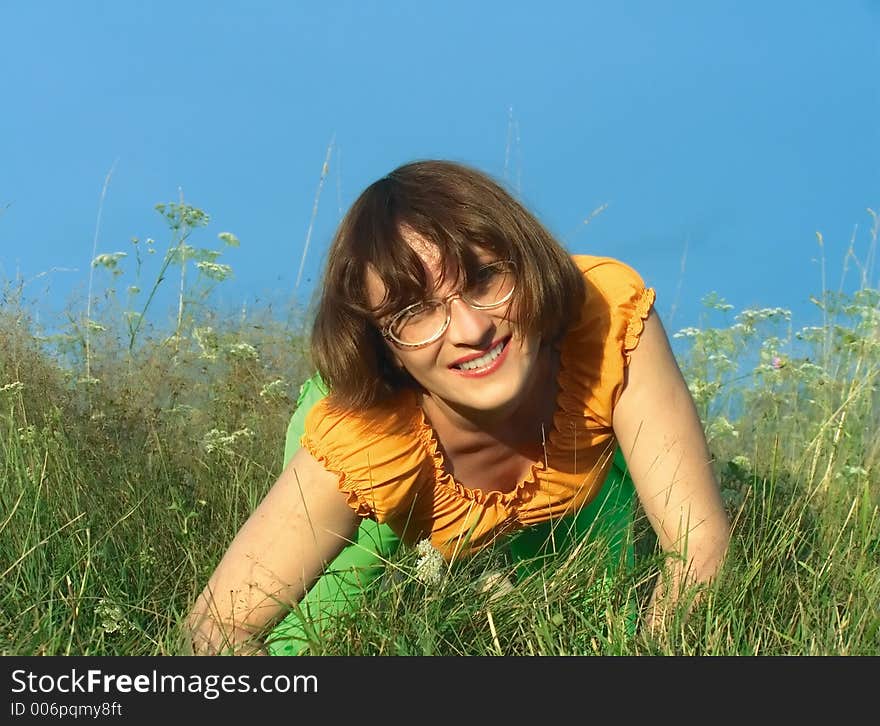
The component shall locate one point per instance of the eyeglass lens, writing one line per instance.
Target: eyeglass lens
(424, 321)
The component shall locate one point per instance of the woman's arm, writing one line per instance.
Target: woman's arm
(301, 525)
(662, 439)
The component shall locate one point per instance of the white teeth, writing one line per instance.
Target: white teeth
(483, 360)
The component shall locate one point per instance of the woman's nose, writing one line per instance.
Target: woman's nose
(469, 326)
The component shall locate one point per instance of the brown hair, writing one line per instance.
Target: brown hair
(456, 208)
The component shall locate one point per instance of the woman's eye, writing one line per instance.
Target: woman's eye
(414, 311)
(486, 274)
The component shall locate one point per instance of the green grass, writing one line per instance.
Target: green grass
(129, 460)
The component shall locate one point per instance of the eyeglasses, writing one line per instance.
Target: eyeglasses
(424, 322)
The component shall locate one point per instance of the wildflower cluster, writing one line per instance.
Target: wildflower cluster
(214, 270)
(110, 261)
(430, 566)
(274, 390)
(218, 441)
(11, 388)
(242, 351)
(112, 620)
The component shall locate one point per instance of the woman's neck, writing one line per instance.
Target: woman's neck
(528, 422)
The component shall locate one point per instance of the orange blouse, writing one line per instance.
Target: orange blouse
(391, 467)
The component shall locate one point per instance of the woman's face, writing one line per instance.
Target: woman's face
(481, 366)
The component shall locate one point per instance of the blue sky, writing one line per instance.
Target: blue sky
(721, 135)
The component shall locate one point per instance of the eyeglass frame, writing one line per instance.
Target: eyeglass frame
(386, 329)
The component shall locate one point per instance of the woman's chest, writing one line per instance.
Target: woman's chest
(492, 468)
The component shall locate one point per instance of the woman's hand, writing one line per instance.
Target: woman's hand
(301, 525)
(662, 439)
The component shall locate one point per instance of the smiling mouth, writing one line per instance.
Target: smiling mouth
(485, 359)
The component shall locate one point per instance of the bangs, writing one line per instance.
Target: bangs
(391, 248)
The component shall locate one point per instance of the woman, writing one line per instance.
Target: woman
(480, 381)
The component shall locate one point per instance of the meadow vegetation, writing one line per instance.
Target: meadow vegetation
(133, 445)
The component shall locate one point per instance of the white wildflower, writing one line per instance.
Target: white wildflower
(180, 255)
(229, 239)
(217, 440)
(11, 388)
(703, 391)
(222, 442)
(752, 316)
(718, 358)
(214, 270)
(741, 461)
(147, 557)
(110, 260)
(112, 619)
(431, 565)
(687, 333)
(273, 390)
(242, 351)
(721, 427)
